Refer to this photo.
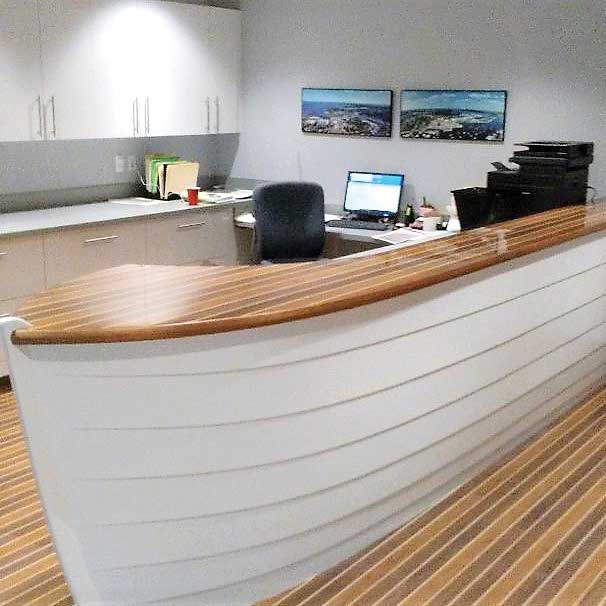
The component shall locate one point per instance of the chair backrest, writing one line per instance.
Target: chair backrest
(289, 221)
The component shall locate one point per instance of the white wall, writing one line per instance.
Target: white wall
(549, 54)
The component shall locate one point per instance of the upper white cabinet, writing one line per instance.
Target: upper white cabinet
(21, 111)
(117, 39)
(77, 69)
(69, 70)
(175, 79)
(225, 58)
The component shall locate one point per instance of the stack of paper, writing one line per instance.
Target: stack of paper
(168, 175)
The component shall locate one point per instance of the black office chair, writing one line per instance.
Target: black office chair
(289, 222)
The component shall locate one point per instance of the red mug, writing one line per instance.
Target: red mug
(192, 195)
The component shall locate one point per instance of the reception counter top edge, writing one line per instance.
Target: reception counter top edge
(191, 301)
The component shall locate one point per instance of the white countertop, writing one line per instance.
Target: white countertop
(247, 221)
(29, 221)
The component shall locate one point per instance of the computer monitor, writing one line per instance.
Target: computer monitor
(374, 195)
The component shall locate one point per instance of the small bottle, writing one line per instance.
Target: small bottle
(409, 215)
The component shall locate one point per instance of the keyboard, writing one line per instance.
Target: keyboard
(356, 224)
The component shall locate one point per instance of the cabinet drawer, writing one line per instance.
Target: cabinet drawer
(180, 240)
(21, 266)
(76, 252)
(192, 238)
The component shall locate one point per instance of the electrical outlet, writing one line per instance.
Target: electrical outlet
(120, 164)
(132, 163)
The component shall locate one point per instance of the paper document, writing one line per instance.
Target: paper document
(399, 236)
(242, 194)
(177, 177)
(214, 196)
(139, 202)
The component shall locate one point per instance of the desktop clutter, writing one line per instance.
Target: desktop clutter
(167, 176)
(550, 174)
(172, 178)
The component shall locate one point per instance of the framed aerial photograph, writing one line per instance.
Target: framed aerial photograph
(454, 115)
(352, 112)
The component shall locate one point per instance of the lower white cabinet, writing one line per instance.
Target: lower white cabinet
(21, 274)
(192, 238)
(75, 252)
(224, 247)
(21, 266)
(179, 240)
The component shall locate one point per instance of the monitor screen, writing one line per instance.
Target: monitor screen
(373, 194)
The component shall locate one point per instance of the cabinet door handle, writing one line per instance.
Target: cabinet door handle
(137, 115)
(40, 118)
(208, 114)
(134, 118)
(104, 239)
(4, 315)
(188, 225)
(54, 116)
(3, 254)
(147, 116)
(217, 111)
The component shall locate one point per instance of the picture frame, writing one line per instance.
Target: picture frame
(352, 112)
(453, 114)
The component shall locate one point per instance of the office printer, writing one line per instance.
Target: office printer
(550, 174)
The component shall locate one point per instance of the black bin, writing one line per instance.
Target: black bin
(475, 207)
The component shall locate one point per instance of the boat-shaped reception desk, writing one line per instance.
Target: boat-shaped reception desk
(214, 435)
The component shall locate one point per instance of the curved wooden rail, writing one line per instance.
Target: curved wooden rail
(139, 303)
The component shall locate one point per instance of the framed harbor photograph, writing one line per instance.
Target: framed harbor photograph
(454, 115)
(352, 112)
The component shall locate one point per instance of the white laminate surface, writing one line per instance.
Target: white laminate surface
(247, 221)
(19, 223)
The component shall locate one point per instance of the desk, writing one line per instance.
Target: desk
(339, 242)
(343, 242)
(308, 408)
(247, 221)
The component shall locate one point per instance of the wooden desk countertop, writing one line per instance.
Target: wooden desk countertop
(137, 303)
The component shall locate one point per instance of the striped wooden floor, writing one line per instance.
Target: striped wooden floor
(531, 531)
(30, 574)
